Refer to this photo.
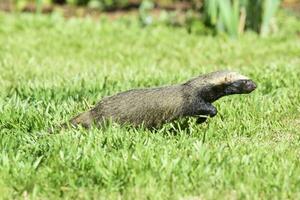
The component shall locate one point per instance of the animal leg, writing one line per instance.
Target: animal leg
(206, 109)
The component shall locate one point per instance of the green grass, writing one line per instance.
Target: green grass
(52, 69)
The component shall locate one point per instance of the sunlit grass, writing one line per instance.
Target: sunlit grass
(52, 69)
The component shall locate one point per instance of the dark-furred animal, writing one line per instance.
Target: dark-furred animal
(152, 107)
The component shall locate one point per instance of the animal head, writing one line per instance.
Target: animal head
(231, 81)
(221, 83)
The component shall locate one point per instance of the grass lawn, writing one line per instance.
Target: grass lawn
(52, 69)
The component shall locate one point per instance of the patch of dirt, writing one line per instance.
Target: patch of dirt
(114, 13)
(32, 8)
(83, 11)
(292, 5)
(5, 6)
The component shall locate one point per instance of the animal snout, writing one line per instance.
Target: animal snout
(249, 86)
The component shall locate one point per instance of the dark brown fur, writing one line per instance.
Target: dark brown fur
(155, 106)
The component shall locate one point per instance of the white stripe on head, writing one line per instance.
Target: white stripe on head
(221, 77)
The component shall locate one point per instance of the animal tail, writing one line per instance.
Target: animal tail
(84, 119)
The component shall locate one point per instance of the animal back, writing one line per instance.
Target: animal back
(150, 107)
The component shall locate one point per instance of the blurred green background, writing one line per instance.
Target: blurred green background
(231, 17)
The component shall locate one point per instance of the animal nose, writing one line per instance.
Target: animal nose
(250, 86)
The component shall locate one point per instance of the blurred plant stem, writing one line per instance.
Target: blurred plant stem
(38, 6)
(234, 16)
